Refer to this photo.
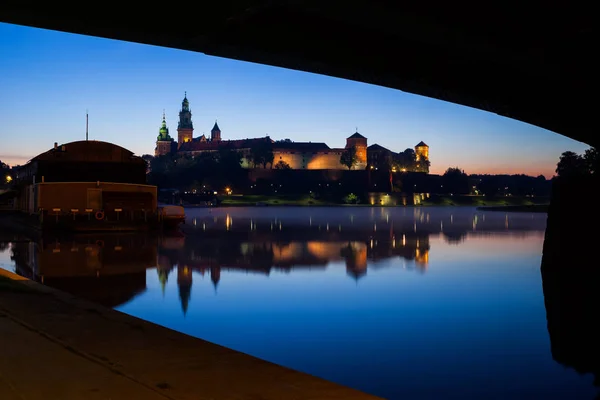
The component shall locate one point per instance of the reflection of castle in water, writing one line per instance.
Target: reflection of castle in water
(111, 269)
(213, 252)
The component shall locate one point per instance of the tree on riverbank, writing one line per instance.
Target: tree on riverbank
(572, 164)
(349, 158)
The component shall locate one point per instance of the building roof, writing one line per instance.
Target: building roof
(88, 151)
(376, 147)
(301, 146)
(215, 128)
(421, 144)
(196, 145)
(357, 136)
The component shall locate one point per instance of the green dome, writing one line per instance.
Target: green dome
(163, 132)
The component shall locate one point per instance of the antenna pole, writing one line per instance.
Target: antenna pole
(86, 125)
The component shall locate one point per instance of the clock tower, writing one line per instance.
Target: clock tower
(185, 128)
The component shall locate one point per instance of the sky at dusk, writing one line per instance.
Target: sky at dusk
(49, 79)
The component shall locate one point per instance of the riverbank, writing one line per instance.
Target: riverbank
(535, 208)
(75, 349)
(432, 200)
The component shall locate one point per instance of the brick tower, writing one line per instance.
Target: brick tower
(360, 143)
(185, 128)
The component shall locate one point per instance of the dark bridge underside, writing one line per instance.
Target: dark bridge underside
(534, 62)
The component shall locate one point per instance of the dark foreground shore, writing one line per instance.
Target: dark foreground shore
(75, 349)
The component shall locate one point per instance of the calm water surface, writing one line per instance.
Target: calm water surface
(413, 303)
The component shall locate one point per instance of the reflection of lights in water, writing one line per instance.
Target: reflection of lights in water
(441, 225)
(204, 226)
(451, 218)
(403, 240)
(375, 227)
(506, 221)
(228, 221)
(415, 228)
(387, 218)
(483, 218)
(279, 225)
(327, 227)
(310, 221)
(215, 220)
(340, 227)
(194, 221)
(418, 243)
(394, 243)
(271, 226)
(371, 243)
(352, 219)
(250, 224)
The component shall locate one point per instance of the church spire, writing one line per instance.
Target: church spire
(163, 132)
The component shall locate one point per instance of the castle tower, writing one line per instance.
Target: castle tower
(185, 128)
(360, 143)
(164, 142)
(184, 283)
(422, 150)
(215, 276)
(215, 133)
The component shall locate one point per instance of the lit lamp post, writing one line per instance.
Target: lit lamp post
(9, 179)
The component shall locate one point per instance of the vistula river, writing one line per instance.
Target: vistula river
(403, 302)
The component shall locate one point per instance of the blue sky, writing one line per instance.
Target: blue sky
(49, 79)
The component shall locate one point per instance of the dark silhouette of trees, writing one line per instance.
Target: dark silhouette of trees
(349, 158)
(422, 165)
(282, 165)
(592, 160)
(515, 185)
(455, 181)
(571, 164)
(262, 153)
(405, 161)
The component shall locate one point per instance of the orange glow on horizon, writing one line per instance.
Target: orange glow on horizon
(532, 169)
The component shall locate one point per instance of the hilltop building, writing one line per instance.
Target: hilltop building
(298, 155)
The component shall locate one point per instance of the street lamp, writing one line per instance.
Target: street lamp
(8, 178)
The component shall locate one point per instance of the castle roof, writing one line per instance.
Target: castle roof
(215, 128)
(301, 146)
(376, 147)
(197, 145)
(421, 144)
(357, 136)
